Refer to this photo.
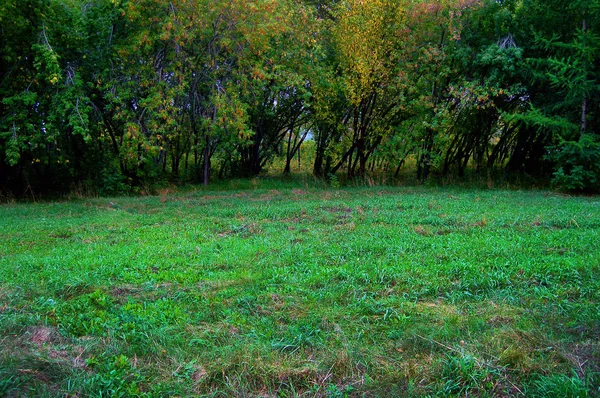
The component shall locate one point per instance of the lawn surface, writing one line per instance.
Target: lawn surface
(302, 292)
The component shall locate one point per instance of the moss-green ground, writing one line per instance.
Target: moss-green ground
(302, 292)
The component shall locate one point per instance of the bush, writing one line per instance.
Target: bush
(578, 164)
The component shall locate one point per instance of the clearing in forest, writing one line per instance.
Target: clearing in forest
(375, 291)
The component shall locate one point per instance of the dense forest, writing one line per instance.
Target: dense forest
(115, 94)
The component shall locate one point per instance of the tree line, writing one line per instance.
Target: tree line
(120, 93)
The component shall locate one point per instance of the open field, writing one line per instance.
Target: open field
(302, 292)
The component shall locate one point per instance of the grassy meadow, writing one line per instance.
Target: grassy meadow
(292, 290)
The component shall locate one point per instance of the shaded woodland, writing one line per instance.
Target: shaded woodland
(116, 94)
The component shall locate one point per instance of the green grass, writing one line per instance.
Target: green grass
(302, 292)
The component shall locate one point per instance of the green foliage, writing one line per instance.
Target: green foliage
(334, 181)
(115, 377)
(113, 182)
(198, 90)
(578, 164)
(566, 75)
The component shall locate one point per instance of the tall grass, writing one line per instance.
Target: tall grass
(275, 288)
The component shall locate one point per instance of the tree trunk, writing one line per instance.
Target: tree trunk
(318, 165)
(206, 165)
(288, 159)
(321, 141)
(397, 173)
(584, 116)
(584, 102)
(175, 165)
(424, 164)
